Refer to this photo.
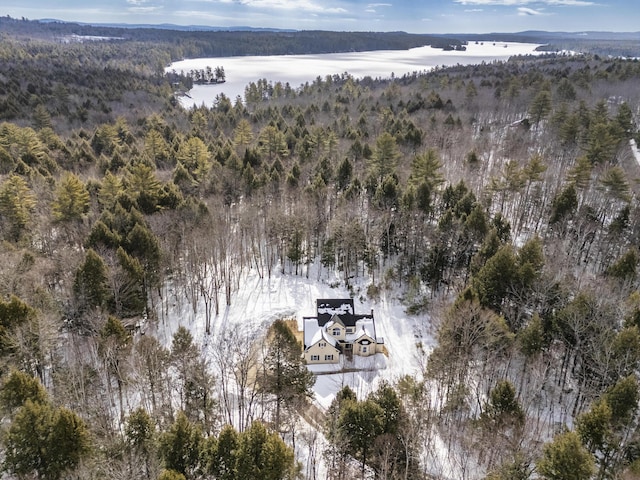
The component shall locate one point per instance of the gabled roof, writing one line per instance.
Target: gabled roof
(365, 327)
(329, 307)
(335, 320)
(313, 333)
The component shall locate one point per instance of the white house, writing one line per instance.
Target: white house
(336, 330)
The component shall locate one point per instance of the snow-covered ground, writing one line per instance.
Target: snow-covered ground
(296, 70)
(634, 149)
(259, 302)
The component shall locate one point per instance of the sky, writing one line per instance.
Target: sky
(414, 16)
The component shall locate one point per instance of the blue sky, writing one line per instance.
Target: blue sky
(415, 16)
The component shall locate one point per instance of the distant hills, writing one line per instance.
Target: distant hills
(541, 34)
(500, 36)
(171, 26)
(216, 41)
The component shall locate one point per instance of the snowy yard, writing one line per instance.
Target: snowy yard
(259, 302)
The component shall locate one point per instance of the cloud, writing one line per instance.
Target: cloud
(474, 10)
(376, 5)
(304, 5)
(142, 6)
(515, 3)
(525, 12)
(143, 9)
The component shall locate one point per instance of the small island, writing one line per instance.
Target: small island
(208, 75)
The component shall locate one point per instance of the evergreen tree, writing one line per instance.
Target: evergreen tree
(171, 475)
(140, 433)
(425, 168)
(565, 459)
(90, 286)
(72, 199)
(262, 455)
(360, 423)
(110, 189)
(540, 106)
(156, 147)
(196, 158)
(41, 117)
(20, 387)
(625, 268)
(17, 205)
(143, 186)
(495, 279)
(564, 204)
(14, 313)
(285, 375)
(386, 154)
(45, 441)
(181, 445)
(502, 410)
(221, 454)
(243, 135)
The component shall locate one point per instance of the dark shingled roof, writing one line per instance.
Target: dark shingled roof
(342, 307)
(328, 307)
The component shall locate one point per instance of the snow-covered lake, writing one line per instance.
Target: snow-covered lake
(299, 69)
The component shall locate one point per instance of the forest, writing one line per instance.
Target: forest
(497, 201)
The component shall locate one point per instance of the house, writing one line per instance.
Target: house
(337, 330)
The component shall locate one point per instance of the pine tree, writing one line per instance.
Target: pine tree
(181, 445)
(72, 199)
(285, 375)
(17, 205)
(156, 147)
(221, 454)
(196, 158)
(90, 286)
(385, 156)
(360, 423)
(140, 433)
(20, 387)
(425, 168)
(243, 135)
(540, 106)
(110, 190)
(262, 455)
(14, 313)
(45, 440)
(565, 459)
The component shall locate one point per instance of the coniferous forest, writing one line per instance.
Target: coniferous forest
(498, 202)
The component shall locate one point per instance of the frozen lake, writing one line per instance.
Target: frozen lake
(299, 69)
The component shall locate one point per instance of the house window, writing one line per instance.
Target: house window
(328, 357)
(322, 344)
(336, 332)
(315, 358)
(350, 329)
(364, 349)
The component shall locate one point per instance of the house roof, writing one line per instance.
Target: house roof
(335, 320)
(331, 312)
(327, 308)
(313, 333)
(365, 327)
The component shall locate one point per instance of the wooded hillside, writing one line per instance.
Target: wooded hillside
(498, 200)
